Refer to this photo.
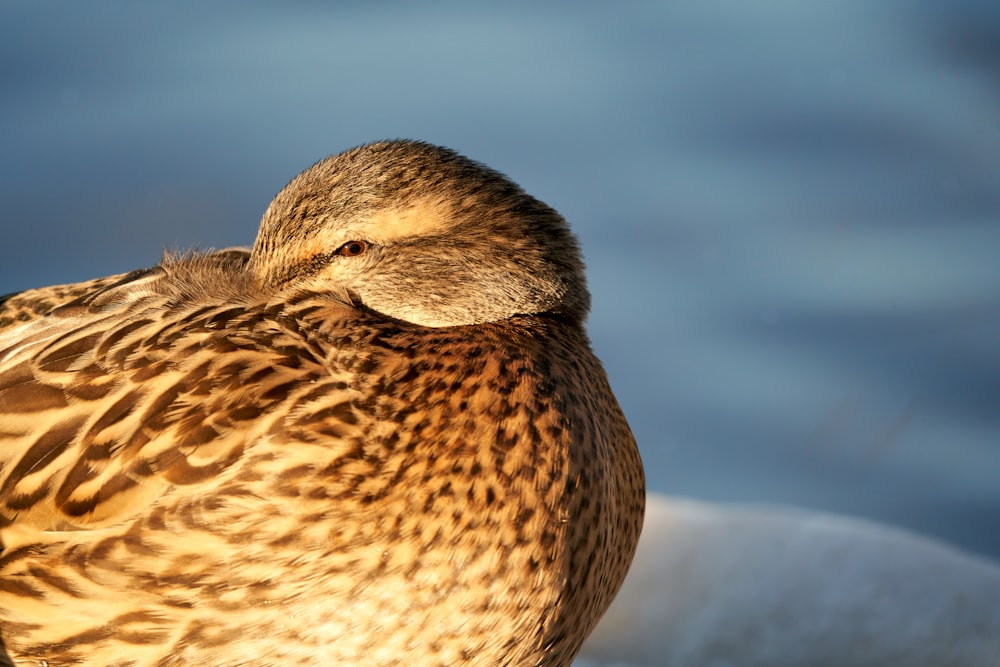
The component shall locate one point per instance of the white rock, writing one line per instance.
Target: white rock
(720, 586)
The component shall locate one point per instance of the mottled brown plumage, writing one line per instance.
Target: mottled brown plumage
(379, 438)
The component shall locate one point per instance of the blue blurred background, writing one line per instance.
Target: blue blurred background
(790, 211)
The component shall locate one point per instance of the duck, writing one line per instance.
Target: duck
(379, 436)
(771, 585)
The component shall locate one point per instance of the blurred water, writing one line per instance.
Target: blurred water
(790, 211)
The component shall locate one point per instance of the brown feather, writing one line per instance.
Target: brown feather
(198, 466)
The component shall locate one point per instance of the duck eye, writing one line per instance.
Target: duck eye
(352, 248)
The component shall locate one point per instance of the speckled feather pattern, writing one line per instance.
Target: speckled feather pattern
(198, 468)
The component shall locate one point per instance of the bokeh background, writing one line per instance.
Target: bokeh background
(790, 210)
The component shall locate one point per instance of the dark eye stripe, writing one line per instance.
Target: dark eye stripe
(316, 263)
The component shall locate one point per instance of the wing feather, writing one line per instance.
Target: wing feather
(131, 385)
(21, 307)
